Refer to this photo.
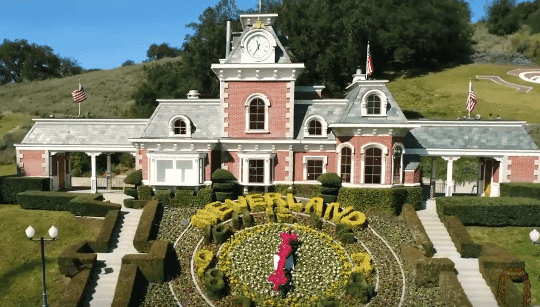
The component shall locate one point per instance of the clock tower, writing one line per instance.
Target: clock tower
(257, 81)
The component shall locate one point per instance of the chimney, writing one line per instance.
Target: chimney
(228, 39)
(358, 76)
(193, 94)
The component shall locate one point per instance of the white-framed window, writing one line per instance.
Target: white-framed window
(257, 106)
(256, 168)
(177, 170)
(373, 163)
(315, 126)
(314, 166)
(397, 164)
(374, 103)
(346, 162)
(179, 126)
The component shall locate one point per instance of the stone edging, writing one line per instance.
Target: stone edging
(498, 80)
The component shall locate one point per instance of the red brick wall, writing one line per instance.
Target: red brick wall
(299, 166)
(280, 164)
(496, 169)
(522, 169)
(417, 175)
(238, 93)
(33, 162)
(232, 162)
(144, 164)
(409, 177)
(359, 141)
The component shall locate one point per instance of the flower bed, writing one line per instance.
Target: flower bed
(322, 266)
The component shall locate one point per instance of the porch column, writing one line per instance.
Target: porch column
(433, 180)
(449, 187)
(496, 177)
(109, 175)
(93, 178)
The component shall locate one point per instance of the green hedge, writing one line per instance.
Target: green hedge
(101, 243)
(329, 180)
(164, 196)
(134, 178)
(74, 294)
(75, 203)
(512, 295)
(386, 201)
(452, 291)
(135, 204)
(145, 192)
(76, 258)
(306, 190)
(130, 287)
(461, 238)
(222, 175)
(131, 192)
(417, 229)
(148, 223)
(425, 271)
(491, 211)
(11, 186)
(152, 264)
(521, 189)
(186, 198)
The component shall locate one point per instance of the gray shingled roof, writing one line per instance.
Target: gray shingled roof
(84, 132)
(470, 137)
(206, 119)
(330, 112)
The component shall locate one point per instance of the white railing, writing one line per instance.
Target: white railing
(116, 182)
(464, 188)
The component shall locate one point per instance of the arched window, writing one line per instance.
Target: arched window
(315, 127)
(180, 127)
(373, 104)
(398, 156)
(256, 114)
(346, 164)
(373, 165)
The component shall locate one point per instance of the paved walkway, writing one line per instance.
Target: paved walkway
(498, 80)
(469, 276)
(100, 291)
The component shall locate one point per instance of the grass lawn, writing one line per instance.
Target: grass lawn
(517, 241)
(6, 170)
(20, 264)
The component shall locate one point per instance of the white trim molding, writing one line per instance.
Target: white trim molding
(398, 144)
(266, 112)
(306, 158)
(243, 166)
(384, 156)
(338, 151)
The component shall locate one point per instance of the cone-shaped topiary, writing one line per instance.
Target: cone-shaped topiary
(135, 178)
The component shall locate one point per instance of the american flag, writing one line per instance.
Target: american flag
(79, 95)
(471, 100)
(369, 65)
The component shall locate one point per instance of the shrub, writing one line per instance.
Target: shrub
(283, 189)
(452, 291)
(204, 196)
(384, 201)
(135, 204)
(316, 221)
(235, 221)
(329, 198)
(247, 219)
(11, 186)
(183, 198)
(130, 287)
(358, 287)
(153, 263)
(329, 301)
(329, 180)
(147, 224)
(87, 206)
(521, 189)
(76, 258)
(145, 192)
(164, 196)
(101, 244)
(131, 192)
(345, 234)
(417, 229)
(224, 186)
(203, 258)
(134, 177)
(220, 234)
(243, 301)
(306, 190)
(73, 296)
(208, 234)
(222, 175)
(75, 203)
(222, 196)
(214, 283)
(462, 240)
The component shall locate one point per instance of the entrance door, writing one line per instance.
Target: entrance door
(488, 167)
(61, 163)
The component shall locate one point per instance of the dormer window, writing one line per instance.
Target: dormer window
(315, 126)
(374, 103)
(257, 106)
(179, 126)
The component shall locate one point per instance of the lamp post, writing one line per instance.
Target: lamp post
(53, 232)
(535, 235)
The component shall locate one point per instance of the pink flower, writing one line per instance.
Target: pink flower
(279, 278)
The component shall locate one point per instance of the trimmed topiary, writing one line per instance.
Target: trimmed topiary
(243, 301)
(345, 233)
(222, 175)
(164, 196)
(359, 288)
(145, 192)
(235, 221)
(135, 178)
(224, 186)
(222, 196)
(204, 196)
(208, 234)
(214, 283)
(220, 234)
(329, 301)
(316, 221)
(183, 198)
(247, 219)
(329, 198)
(329, 180)
(131, 192)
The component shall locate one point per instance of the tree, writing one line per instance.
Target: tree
(128, 63)
(20, 61)
(500, 19)
(156, 52)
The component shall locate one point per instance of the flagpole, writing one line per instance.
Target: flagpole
(367, 55)
(79, 101)
(468, 94)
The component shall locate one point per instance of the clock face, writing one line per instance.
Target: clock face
(258, 46)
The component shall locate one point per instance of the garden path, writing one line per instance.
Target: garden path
(102, 285)
(469, 276)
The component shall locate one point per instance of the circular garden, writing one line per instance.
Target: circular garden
(231, 264)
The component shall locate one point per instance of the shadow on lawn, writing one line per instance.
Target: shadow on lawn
(25, 267)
